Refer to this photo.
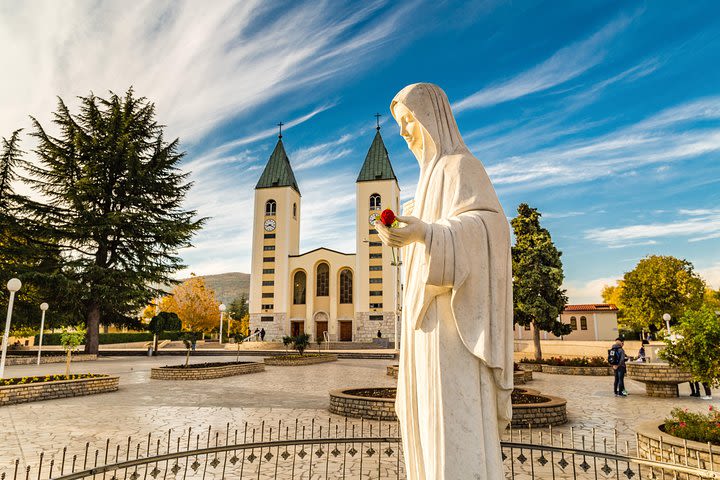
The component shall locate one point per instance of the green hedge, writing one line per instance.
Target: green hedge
(109, 338)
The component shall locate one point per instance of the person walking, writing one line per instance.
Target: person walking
(262, 335)
(618, 359)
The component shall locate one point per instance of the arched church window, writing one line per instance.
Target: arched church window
(573, 323)
(346, 286)
(583, 323)
(299, 283)
(323, 278)
(270, 207)
(375, 201)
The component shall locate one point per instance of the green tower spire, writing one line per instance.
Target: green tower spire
(278, 172)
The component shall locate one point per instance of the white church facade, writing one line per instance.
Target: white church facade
(324, 293)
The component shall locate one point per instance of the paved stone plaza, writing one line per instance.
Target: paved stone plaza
(142, 405)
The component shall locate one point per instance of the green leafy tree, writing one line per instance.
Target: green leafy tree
(114, 204)
(537, 277)
(70, 340)
(238, 308)
(301, 342)
(163, 322)
(658, 285)
(696, 346)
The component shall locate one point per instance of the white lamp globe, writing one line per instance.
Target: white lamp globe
(666, 317)
(44, 306)
(222, 307)
(14, 284)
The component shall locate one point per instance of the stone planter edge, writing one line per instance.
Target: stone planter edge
(41, 391)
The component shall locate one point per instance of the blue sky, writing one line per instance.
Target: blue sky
(604, 115)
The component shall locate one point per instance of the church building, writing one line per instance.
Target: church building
(327, 294)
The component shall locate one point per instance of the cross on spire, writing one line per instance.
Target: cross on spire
(280, 131)
(377, 120)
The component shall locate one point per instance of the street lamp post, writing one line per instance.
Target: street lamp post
(43, 306)
(13, 286)
(667, 317)
(222, 313)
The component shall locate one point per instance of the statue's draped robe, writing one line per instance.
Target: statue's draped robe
(455, 375)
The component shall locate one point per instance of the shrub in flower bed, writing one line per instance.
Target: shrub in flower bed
(569, 362)
(698, 427)
(45, 378)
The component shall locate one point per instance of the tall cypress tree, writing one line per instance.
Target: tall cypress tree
(537, 277)
(113, 204)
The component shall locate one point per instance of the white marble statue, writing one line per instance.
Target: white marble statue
(456, 363)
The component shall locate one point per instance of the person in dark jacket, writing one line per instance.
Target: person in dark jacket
(620, 367)
(262, 335)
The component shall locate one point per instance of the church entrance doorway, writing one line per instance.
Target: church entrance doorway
(320, 329)
(346, 331)
(296, 328)
(321, 325)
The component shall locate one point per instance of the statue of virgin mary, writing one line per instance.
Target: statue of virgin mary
(456, 364)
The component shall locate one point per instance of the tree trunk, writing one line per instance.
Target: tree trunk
(155, 344)
(67, 363)
(536, 342)
(187, 359)
(92, 342)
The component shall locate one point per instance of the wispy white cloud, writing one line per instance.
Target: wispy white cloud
(564, 65)
(655, 140)
(202, 63)
(697, 225)
(588, 291)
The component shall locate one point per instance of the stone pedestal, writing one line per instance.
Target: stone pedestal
(660, 379)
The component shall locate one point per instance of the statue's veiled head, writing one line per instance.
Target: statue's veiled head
(426, 122)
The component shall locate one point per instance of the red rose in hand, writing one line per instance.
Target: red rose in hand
(387, 217)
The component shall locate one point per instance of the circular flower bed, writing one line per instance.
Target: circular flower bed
(660, 379)
(369, 403)
(205, 371)
(530, 408)
(48, 387)
(295, 359)
(655, 442)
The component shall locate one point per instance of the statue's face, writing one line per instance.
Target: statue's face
(410, 129)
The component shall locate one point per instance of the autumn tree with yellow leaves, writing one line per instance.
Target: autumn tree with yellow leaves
(195, 304)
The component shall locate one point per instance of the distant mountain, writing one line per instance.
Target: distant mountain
(228, 286)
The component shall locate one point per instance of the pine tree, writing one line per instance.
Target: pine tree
(537, 277)
(114, 197)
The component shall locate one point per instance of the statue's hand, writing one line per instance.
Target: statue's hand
(413, 231)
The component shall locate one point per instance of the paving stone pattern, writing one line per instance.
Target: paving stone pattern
(142, 406)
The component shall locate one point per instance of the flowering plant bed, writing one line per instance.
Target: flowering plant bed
(569, 362)
(48, 387)
(656, 443)
(698, 427)
(45, 378)
(205, 371)
(294, 359)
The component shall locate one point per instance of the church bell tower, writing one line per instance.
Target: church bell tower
(377, 278)
(276, 236)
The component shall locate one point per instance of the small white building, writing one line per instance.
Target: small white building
(597, 321)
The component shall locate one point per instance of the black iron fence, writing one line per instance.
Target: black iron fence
(340, 450)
